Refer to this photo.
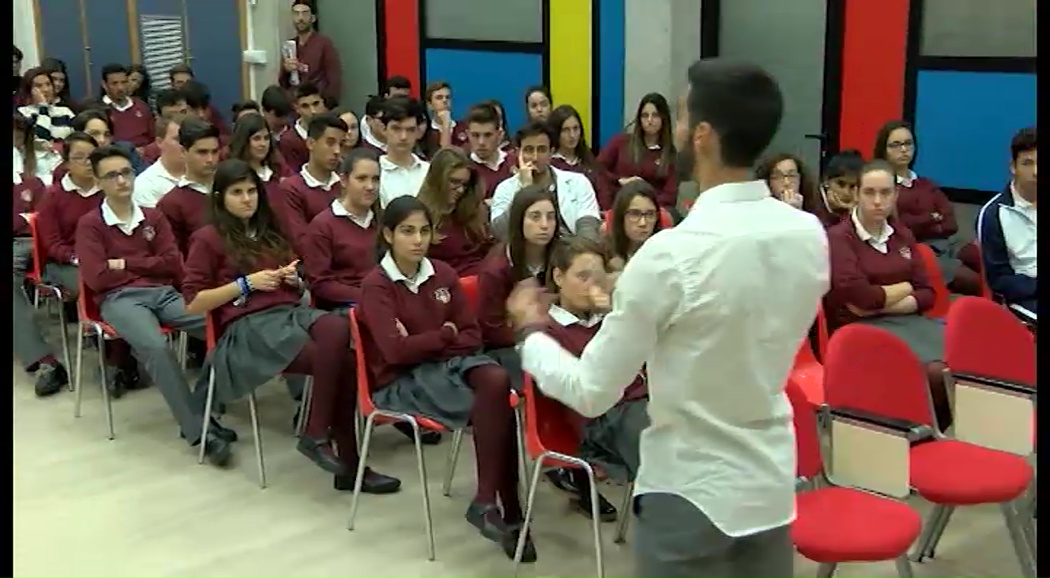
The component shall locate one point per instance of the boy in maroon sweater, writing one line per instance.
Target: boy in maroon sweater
(316, 60)
(130, 261)
(131, 118)
(483, 139)
(186, 206)
(292, 143)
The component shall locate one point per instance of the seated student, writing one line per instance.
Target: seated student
(397, 86)
(838, 189)
(373, 134)
(96, 123)
(454, 195)
(130, 117)
(186, 206)
(170, 104)
(402, 169)
(635, 217)
(51, 121)
(577, 275)
(789, 180)
(646, 153)
(1007, 232)
(300, 197)
(43, 159)
(252, 142)
(442, 131)
(484, 136)
(924, 208)
(277, 109)
(31, 349)
(241, 269)
(164, 174)
(353, 131)
(198, 103)
(877, 278)
(129, 258)
(572, 153)
(292, 144)
(577, 204)
(424, 349)
(537, 104)
(244, 108)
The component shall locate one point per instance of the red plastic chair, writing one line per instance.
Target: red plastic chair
(807, 372)
(870, 370)
(91, 321)
(470, 289)
(835, 524)
(42, 289)
(941, 301)
(986, 290)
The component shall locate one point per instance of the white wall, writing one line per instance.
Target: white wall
(268, 23)
(662, 40)
(25, 32)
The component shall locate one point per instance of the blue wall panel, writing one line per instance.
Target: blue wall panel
(964, 122)
(477, 76)
(215, 46)
(62, 39)
(611, 58)
(108, 36)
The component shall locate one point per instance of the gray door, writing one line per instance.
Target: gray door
(352, 28)
(786, 37)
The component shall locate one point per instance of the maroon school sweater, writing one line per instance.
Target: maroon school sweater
(151, 256)
(134, 125)
(151, 153)
(440, 299)
(495, 282)
(432, 142)
(318, 65)
(208, 268)
(616, 159)
(858, 272)
(58, 214)
(293, 149)
(297, 203)
(26, 196)
(827, 217)
(337, 254)
(458, 249)
(493, 177)
(186, 210)
(917, 204)
(594, 175)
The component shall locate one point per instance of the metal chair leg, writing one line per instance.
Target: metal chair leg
(1017, 537)
(523, 471)
(304, 407)
(935, 538)
(426, 489)
(904, 567)
(625, 515)
(537, 469)
(207, 416)
(826, 570)
(78, 387)
(103, 374)
(928, 529)
(362, 461)
(453, 457)
(64, 336)
(596, 521)
(257, 434)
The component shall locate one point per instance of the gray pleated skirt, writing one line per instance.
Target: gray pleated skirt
(947, 251)
(436, 389)
(611, 439)
(510, 359)
(924, 336)
(64, 276)
(256, 348)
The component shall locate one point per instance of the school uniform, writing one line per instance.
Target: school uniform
(918, 198)
(823, 211)
(57, 217)
(30, 346)
(398, 181)
(151, 152)
(369, 140)
(153, 184)
(140, 298)
(495, 282)
(300, 198)
(494, 173)
(292, 146)
(261, 334)
(458, 247)
(187, 209)
(594, 174)
(318, 65)
(338, 253)
(618, 162)
(132, 121)
(861, 263)
(432, 141)
(424, 372)
(574, 193)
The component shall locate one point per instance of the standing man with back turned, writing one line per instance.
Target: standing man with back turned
(740, 280)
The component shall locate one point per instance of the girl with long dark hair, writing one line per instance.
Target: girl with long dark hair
(646, 151)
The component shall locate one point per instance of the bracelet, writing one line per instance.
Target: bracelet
(244, 285)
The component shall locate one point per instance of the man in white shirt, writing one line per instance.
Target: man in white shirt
(716, 309)
(163, 175)
(402, 172)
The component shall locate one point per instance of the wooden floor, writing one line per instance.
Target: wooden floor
(140, 506)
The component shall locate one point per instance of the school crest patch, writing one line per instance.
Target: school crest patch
(27, 195)
(148, 232)
(906, 252)
(138, 114)
(442, 295)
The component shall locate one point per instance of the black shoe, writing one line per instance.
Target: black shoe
(426, 437)
(510, 545)
(582, 503)
(50, 379)
(563, 480)
(488, 520)
(32, 367)
(116, 383)
(373, 483)
(69, 310)
(321, 453)
(218, 451)
(136, 379)
(218, 430)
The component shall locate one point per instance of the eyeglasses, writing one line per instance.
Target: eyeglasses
(126, 174)
(636, 215)
(778, 176)
(458, 183)
(901, 144)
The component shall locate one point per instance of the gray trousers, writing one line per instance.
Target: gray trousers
(30, 346)
(65, 276)
(673, 538)
(137, 313)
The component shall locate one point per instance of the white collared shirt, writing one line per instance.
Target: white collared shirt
(501, 155)
(398, 181)
(413, 283)
(718, 346)
(576, 197)
(880, 242)
(153, 184)
(313, 183)
(565, 318)
(908, 180)
(69, 185)
(265, 173)
(571, 162)
(127, 227)
(128, 103)
(366, 134)
(340, 211)
(300, 130)
(1025, 206)
(199, 187)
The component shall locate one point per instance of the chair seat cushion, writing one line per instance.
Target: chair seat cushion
(955, 473)
(835, 525)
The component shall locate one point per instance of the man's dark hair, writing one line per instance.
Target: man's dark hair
(239, 107)
(75, 137)
(113, 68)
(401, 108)
(168, 97)
(275, 100)
(307, 89)
(109, 151)
(741, 102)
(194, 129)
(308, 3)
(482, 114)
(322, 122)
(197, 95)
(399, 82)
(534, 128)
(1023, 141)
(180, 69)
(18, 54)
(374, 106)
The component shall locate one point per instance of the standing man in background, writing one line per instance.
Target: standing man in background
(316, 60)
(715, 494)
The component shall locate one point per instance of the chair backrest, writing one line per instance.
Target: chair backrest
(38, 248)
(982, 338)
(87, 307)
(470, 289)
(548, 423)
(807, 436)
(822, 333)
(364, 384)
(941, 302)
(211, 329)
(869, 369)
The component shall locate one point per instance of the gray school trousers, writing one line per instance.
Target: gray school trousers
(675, 539)
(30, 346)
(137, 314)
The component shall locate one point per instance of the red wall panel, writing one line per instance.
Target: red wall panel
(401, 32)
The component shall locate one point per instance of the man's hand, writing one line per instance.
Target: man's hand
(291, 64)
(526, 304)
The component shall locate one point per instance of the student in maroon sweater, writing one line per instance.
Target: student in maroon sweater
(425, 350)
(302, 196)
(252, 143)
(635, 218)
(132, 119)
(537, 104)
(837, 194)
(353, 131)
(924, 208)
(442, 131)
(170, 104)
(484, 135)
(878, 278)
(316, 59)
(453, 193)
(789, 180)
(198, 103)
(186, 206)
(96, 123)
(292, 145)
(646, 153)
(241, 269)
(129, 259)
(573, 154)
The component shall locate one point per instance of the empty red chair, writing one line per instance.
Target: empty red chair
(984, 339)
(941, 301)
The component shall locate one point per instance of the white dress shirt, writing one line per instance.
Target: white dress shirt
(152, 185)
(739, 283)
(398, 181)
(880, 242)
(576, 198)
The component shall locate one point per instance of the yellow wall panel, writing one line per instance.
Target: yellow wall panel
(570, 55)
